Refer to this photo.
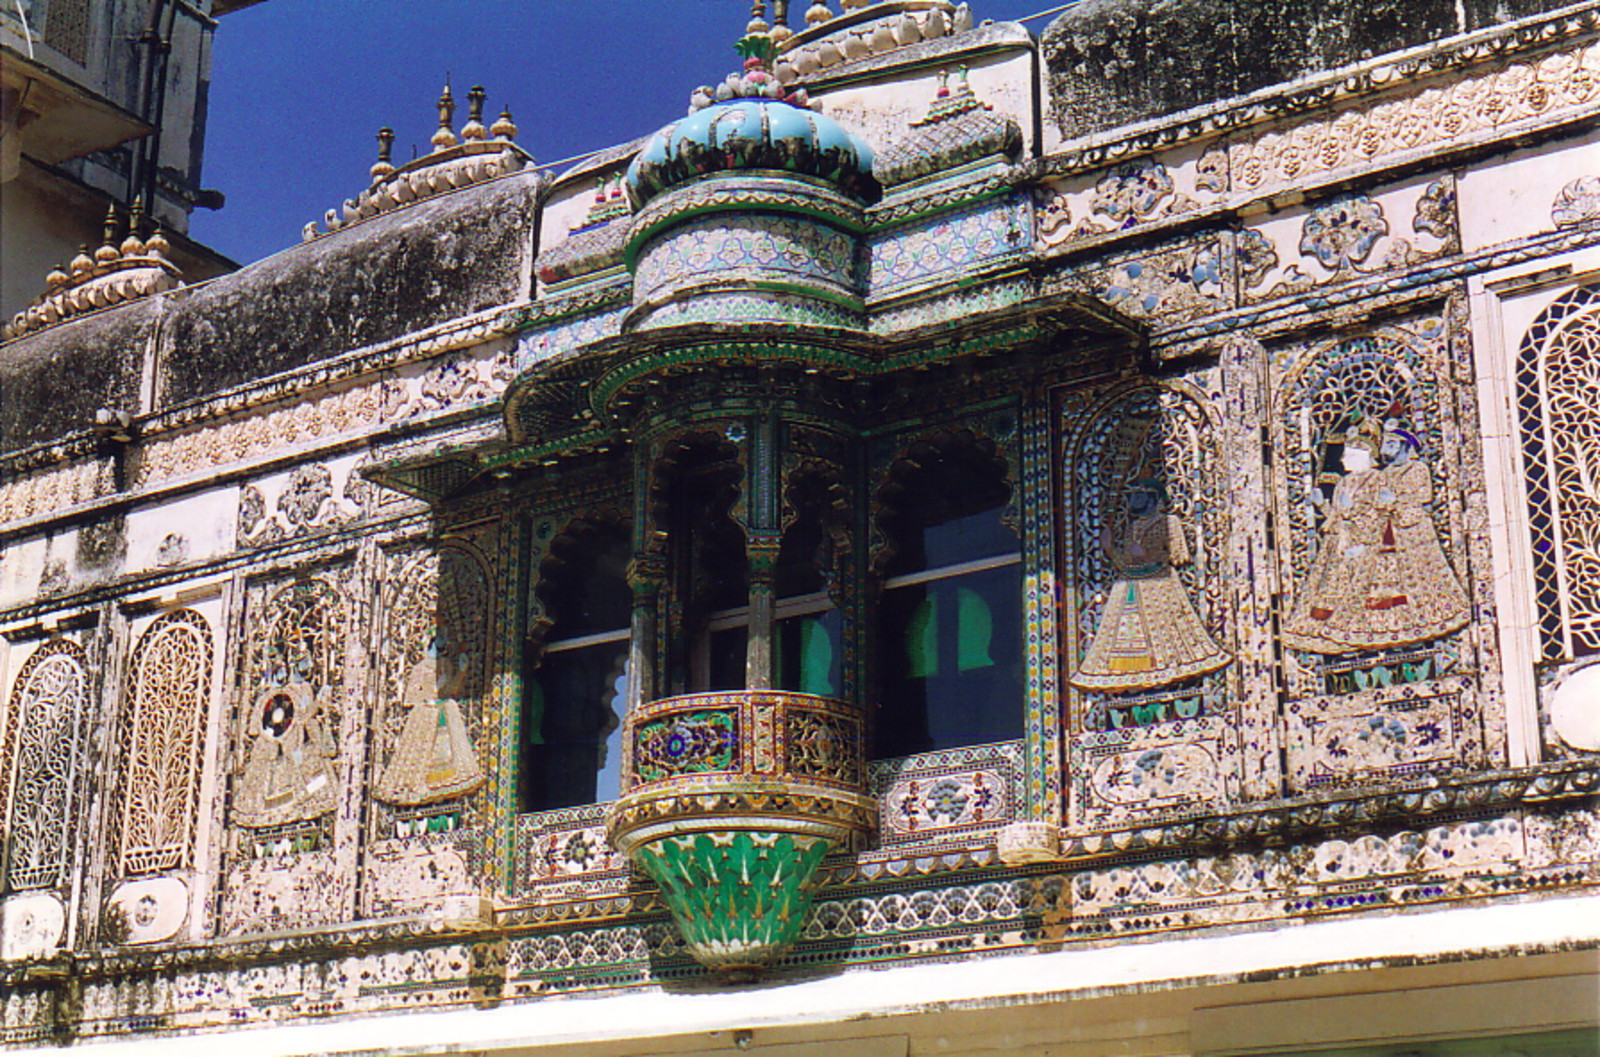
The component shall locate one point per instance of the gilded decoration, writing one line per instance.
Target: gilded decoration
(290, 722)
(45, 740)
(1142, 487)
(169, 691)
(1377, 577)
(436, 682)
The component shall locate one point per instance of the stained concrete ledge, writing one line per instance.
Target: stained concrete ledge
(1510, 970)
(1118, 62)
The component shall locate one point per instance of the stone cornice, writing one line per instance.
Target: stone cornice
(1324, 91)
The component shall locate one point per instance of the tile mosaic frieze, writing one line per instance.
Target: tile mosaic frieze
(1176, 282)
(943, 246)
(955, 794)
(1147, 629)
(800, 249)
(564, 854)
(435, 731)
(291, 757)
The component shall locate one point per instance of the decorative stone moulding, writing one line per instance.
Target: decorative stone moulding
(115, 274)
(862, 30)
(479, 153)
(1023, 843)
(731, 800)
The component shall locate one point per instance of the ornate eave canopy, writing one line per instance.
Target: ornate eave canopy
(580, 402)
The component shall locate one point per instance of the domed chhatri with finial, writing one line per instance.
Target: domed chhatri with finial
(475, 154)
(750, 209)
(751, 121)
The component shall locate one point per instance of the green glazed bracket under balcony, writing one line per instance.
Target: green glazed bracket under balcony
(731, 801)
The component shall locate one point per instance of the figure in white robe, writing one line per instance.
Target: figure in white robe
(1380, 578)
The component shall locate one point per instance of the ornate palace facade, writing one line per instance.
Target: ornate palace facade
(964, 543)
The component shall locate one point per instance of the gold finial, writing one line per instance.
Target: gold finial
(758, 17)
(503, 127)
(384, 166)
(82, 262)
(445, 138)
(780, 21)
(58, 275)
(133, 246)
(157, 245)
(473, 130)
(108, 250)
(818, 13)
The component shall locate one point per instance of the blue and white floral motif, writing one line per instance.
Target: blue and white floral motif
(1132, 192)
(1188, 278)
(1342, 233)
(1256, 256)
(1578, 201)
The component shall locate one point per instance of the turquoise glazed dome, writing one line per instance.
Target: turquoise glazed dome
(753, 133)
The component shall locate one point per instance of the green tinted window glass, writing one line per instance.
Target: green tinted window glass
(974, 631)
(922, 639)
(816, 657)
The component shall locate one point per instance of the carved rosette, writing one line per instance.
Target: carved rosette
(732, 800)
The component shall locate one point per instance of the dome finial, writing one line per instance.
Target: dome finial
(503, 127)
(384, 166)
(133, 245)
(474, 130)
(108, 250)
(445, 137)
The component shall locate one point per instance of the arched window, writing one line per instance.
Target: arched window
(1556, 396)
(168, 689)
(43, 751)
(950, 643)
(576, 694)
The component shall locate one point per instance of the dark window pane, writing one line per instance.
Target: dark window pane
(572, 744)
(965, 539)
(808, 653)
(952, 653)
(727, 659)
(592, 596)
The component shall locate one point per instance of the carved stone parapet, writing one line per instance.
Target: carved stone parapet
(731, 801)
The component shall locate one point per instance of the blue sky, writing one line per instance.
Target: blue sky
(299, 87)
